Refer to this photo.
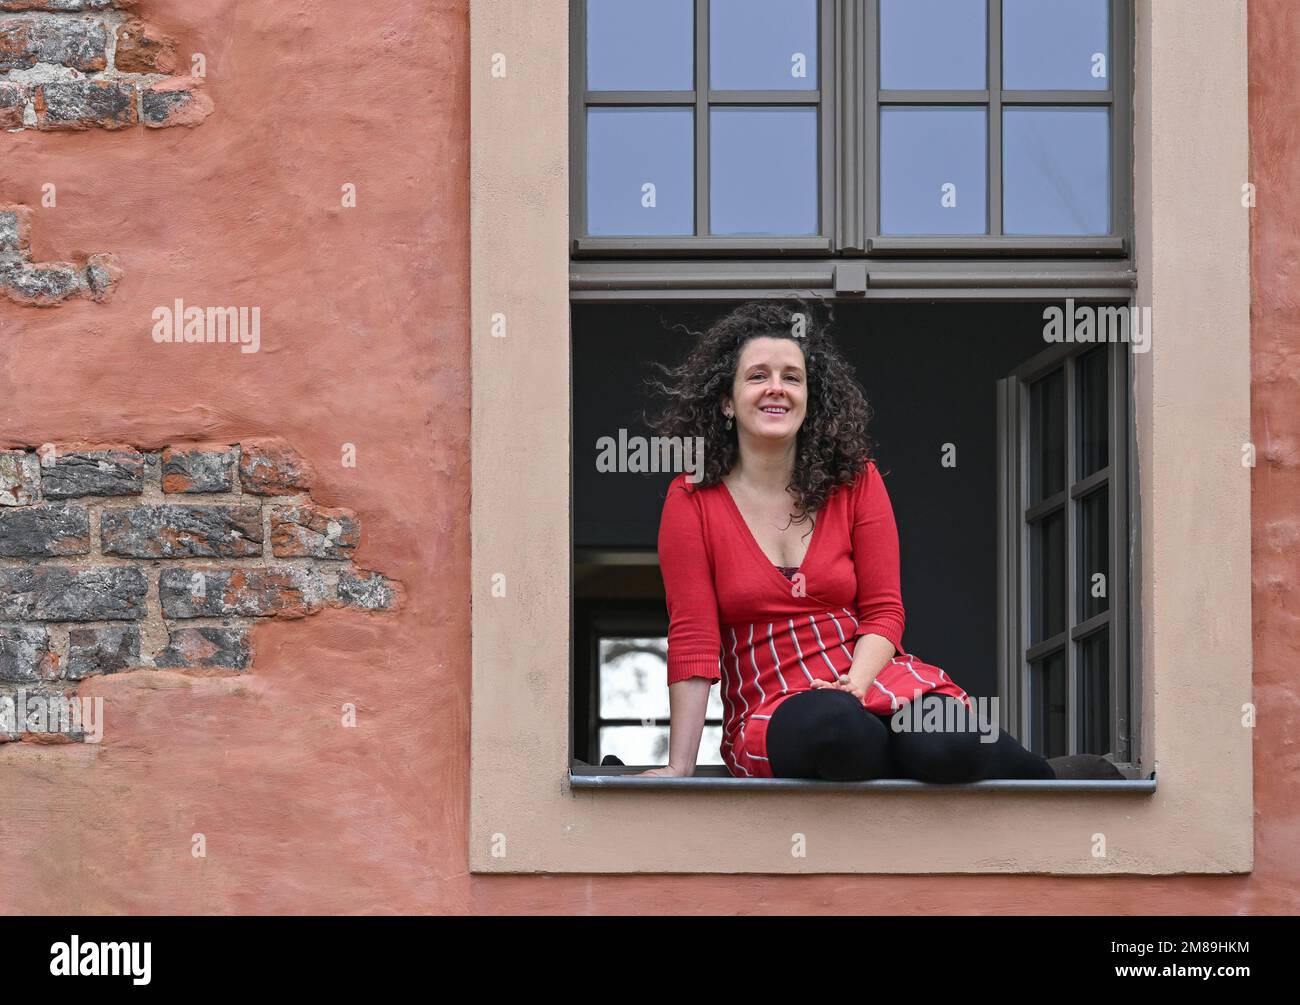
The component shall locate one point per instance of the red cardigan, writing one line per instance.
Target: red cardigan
(735, 618)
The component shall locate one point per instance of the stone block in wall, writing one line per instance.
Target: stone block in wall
(85, 104)
(270, 467)
(142, 48)
(13, 102)
(25, 655)
(177, 101)
(102, 650)
(311, 531)
(64, 6)
(206, 648)
(57, 593)
(367, 590)
(20, 478)
(198, 469)
(172, 531)
(44, 531)
(275, 591)
(93, 473)
(77, 43)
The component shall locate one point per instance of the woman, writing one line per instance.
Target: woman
(780, 569)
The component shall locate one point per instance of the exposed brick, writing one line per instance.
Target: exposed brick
(94, 473)
(41, 713)
(102, 274)
(367, 590)
(83, 104)
(170, 531)
(77, 43)
(43, 285)
(44, 531)
(215, 648)
(46, 593)
(13, 99)
(270, 467)
(278, 591)
(94, 651)
(15, 233)
(142, 48)
(25, 655)
(20, 478)
(311, 531)
(64, 6)
(198, 469)
(177, 101)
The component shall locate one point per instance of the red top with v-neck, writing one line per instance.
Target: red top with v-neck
(735, 618)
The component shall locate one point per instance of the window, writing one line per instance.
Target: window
(529, 812)
(1064, 574)
(851, 127)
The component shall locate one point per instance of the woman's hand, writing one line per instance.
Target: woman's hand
(845, 683)
(667, 771)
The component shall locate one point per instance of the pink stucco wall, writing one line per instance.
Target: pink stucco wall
(365, 341)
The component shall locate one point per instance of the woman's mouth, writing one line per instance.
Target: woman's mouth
(774, 409)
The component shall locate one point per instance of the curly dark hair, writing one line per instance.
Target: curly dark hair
(832, 446)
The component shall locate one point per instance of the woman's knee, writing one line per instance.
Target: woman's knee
(939, 748)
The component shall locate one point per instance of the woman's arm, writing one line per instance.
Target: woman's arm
(694, 637)
(880, 601)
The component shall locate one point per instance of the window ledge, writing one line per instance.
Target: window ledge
(627, 779)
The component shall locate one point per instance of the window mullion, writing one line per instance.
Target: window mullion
(1072, 704)
(995, 117)
(701, 118)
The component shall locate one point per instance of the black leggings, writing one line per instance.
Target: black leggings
(829, 734)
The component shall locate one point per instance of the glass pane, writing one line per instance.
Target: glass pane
(640, 45)
(933, 170)
(1094, 694)
(1047, 577)
(1046, 436)
(632, 675)
(640, 171)
(1056, 171)
(933, 45)
(1094, 416)
(1049, 728)
(1055, 45)
(763, 171)
(1094, 554)
(642, 745)
(763, 45)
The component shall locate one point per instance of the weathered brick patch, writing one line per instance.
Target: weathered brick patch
(91, 64)
(46, 284)
(118, 559)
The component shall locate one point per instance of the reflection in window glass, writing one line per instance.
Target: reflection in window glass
(933, 170)
(1051, 737)
(933, 45)
(763, 45)
(763, 171)
(1055, 45)
(640, 45)
(632, 674)
(1094, 694)
(1093, 413)
(1047, 436)
(640, 171)
(648, 747)
(1094, 554)
(1056, 171)
(1047, 577)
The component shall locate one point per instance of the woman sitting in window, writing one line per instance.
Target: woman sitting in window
(780, 567)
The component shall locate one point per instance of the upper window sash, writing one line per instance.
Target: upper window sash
(848, 101)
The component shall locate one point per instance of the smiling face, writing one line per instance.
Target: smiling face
(769, 395)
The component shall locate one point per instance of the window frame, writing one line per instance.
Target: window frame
(527, 814)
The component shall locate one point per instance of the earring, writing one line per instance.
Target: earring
(728, 423)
